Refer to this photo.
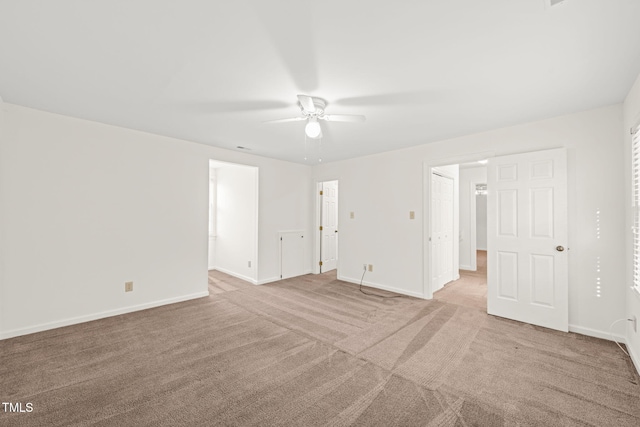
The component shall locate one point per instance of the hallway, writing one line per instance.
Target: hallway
(470, 290)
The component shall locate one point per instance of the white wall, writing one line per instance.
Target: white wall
(286, 201)
(382, 188)
(236, 217)
(213, 207)
(87, 206)
(481, 222)
(631, 118)
(469, 177)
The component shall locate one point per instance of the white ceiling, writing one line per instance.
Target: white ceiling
(214, 71)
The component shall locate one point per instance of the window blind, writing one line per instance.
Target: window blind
(635, 174)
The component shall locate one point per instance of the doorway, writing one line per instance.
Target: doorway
(470, 289)
(327, 248)
(463, 229)
(233, 220)
(527, 276)
(467, 285)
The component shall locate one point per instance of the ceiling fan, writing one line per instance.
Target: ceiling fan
(312, 111)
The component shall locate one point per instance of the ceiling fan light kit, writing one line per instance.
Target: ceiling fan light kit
(312, 128)
(313, 110)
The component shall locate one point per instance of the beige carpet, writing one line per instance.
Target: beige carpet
(314, 351)
(470, 289)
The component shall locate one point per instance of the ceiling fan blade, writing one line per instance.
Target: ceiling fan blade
(394, 98)
(343, 118)
(307, 103)
(208, 107)
(292, 119)
(298, 53)
(327, 136)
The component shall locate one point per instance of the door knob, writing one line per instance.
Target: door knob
(559, 248)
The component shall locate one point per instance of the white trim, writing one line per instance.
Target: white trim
(277, 279)
(237, 275)
(270, 280)
(316, 232)
(256, 248)
(109, 313)
(609, 337)
(382, 287)
(473, 224)
(597, 334)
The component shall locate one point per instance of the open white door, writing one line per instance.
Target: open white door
(527, 238)
(329, 226)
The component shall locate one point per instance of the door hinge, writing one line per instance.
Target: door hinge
(320, 228)
(320, 263)
(321, 192)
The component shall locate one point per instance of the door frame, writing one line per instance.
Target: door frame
(427, 166)
(253, 276)
(317, 238)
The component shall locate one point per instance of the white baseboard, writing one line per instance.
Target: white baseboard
(234, 274)
(277, 278)
(383, 287)
(109, 313)
(597, 334)
(269, 280)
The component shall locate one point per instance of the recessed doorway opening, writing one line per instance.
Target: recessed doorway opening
(233, 220)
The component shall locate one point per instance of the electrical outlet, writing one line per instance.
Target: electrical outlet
(371, 267)
(128, 286)
(412, 215)
(352, 215)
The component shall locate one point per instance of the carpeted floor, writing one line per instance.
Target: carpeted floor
(314, 351)
(470, 289)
